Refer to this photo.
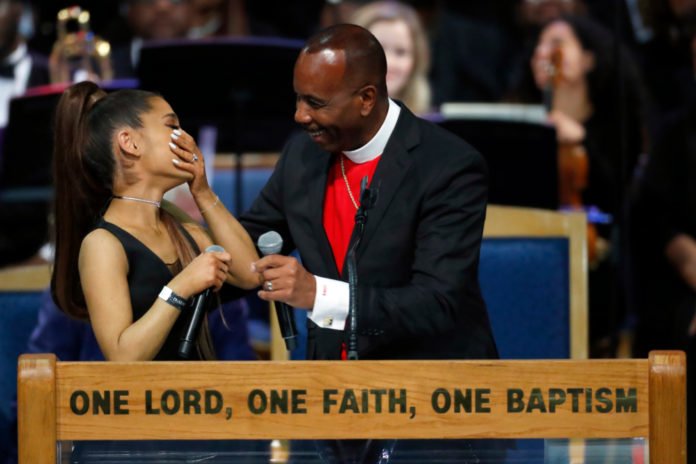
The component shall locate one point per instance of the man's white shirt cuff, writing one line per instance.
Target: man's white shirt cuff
(331, 304)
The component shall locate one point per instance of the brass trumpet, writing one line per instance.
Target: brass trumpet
(79, 54)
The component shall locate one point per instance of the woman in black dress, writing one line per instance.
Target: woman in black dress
(595, 101)
(123, 260)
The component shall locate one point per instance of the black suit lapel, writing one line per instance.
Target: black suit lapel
(318, 163)
(389, 174)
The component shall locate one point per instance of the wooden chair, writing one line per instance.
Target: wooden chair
(20, 298)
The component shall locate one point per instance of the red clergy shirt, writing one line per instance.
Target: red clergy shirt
(339, 211)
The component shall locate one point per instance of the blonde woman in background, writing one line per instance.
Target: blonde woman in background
(399, 30)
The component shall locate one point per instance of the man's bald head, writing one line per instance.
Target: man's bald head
(365, 61)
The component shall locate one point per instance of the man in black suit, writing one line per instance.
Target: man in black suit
(418, 292)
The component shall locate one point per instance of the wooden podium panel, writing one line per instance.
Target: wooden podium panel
(365, 399)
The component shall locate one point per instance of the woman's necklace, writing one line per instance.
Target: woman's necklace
(345, 179)
(141, 200)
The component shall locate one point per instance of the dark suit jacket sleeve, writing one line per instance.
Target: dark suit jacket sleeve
(443, 291)
(267, 211)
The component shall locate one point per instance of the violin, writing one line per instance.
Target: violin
(573, 162)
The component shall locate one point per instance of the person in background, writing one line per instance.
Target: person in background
(398, 28)
(467, 56)
(667, 59)
(663, 243)
(535, 14)
(150, 20)
(584, 106)
(121, 260)
(20, 68)
(530, 17)
(339, 11)
(218, 18)
(572, 62)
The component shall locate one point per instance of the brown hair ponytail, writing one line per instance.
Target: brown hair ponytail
(83, 170)
(78, 195)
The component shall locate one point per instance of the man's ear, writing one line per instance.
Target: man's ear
(368, 98)
(127, 142)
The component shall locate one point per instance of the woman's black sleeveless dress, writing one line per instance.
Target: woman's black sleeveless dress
(147, 274)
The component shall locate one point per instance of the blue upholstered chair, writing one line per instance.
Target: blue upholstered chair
(253, 180)
(20, 298)
(533, 275)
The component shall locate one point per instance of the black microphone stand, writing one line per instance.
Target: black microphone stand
(367, 198)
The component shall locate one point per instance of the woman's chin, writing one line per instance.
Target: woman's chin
(184, 176)
(180, 178)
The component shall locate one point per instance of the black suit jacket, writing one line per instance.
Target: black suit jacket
(418, 291)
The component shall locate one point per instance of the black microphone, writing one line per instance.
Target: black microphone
(368, 198)
(200, 303)
(271, 243)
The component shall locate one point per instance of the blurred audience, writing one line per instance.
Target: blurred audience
(217, 18)
(20, 68)
(536, 13)
(467, 57)
(597, 109)
(598, 101)
(662, 276)
(663, 239)
(280, 18)
(398, 29)
(337, 12)
(667, 57)
(78, 54)
(150, 20)
(531, 16)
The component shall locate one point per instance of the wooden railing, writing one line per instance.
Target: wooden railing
(366, 399)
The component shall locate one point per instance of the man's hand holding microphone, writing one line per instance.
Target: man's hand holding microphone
(283, 278)
(283, 281)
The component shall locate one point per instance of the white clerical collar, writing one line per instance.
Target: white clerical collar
(17, 55)
(375, 147)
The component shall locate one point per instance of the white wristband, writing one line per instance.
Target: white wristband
(168, 295)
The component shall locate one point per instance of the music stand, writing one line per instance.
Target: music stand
(241, 86)
(521, 157)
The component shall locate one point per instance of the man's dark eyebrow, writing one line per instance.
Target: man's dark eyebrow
(170, 115)
(312, 98)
